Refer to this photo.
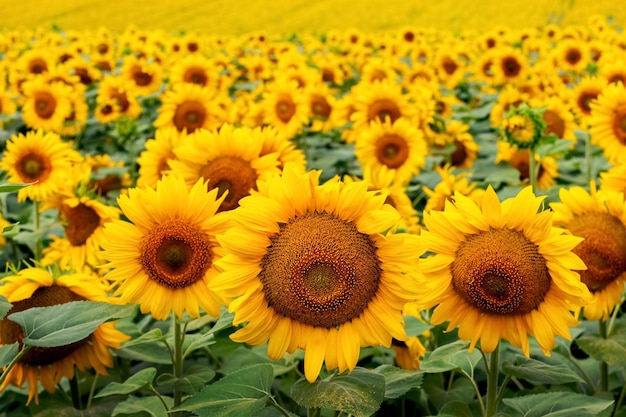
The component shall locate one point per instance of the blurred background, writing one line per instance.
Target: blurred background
(233, 17)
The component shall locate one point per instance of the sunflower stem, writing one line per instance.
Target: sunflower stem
(75, 390)
(620, 399)
(604, 367)
(178, 360)
(493, 371)
(92, 391)
(532, 169)
(588, 157)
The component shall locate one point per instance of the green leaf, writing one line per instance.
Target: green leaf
(5, 306)
(194, 380)
(540, 372)
(143, 406)
(132, 384)
(7, 353)
(399, 381)
(453, 356)
(243, 357)
(359, 393)
(558, 147)
(414, 326)
(455, 409)
(558, 404)
(611, 350)
(67, 323)
(196, 341)
(9, 188)
(241, 393)
(460, 390)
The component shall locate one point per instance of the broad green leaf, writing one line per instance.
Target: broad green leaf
(414, 326)
(453, 356)
(540, 372)
(242, 393)
(5, 306)
(132, 384)
(243, 357)
(194, 380)
(611, 350)
(10, 188)
(56, 406)
(455, 409)
(7, 353)
(558, 404)
(67, 323)
(143, 406)
(558, 147)
(460, 390)
(154, 335)
(270, 411)
(153, 352)
(359, 393)
(399, 381)
(196, 341)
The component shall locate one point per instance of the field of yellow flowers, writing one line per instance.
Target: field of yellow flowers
(406, 220)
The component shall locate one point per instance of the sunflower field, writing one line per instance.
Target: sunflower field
(402, 222)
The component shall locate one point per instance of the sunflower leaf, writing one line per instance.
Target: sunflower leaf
(9, 188)
(399, 381)
(540, 372)
(60, 325)
(143, 406)
(449, 357)
(359, 393)
(7, 353)
(558, 404)
(241, 393)
(5, 306)
(611, 350)
(132, 384)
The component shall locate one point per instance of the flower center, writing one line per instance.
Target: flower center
(573, 56)
(34, 167)
(232, 174)
(141, 78)
(511, 67)
(449, 66)
(176, 254)
(189, 115)
(555, 124)
(500, 272)
(195, 76)
(320, 107)
(392, 150)
(320, 270)
(45, 104)
(603, 250)
(37, 66)
(384, 109)
(81, 221)
(285, 109)
(585, 99)
(619, 124)
(11, 332)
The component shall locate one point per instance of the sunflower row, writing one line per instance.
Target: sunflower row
(182, 173)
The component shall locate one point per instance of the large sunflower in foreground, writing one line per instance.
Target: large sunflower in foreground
(42, 159)
(501, 271)
(164, 257)
(319, 271)
(608, 122)
(34, 287)
(600, 218)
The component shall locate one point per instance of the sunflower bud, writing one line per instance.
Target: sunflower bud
(524, 126)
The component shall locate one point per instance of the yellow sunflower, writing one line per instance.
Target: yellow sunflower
(34, 287)
(583, 94)
(608, 122)
(599, 217)
(395, 146)
(409, 352)
(188, 107)
(285, 106)
(614, 179)
(510, 66)
(520, 160)
(319, 271)
(165, 255)
(449, 185)
(7, 103)
(501, 271)
(230, 160)
(82, 219)
(463, 148)
(42, 159)
(46, 105)
(195, 69)
(275, 141)
(122, 92)
(147, 76)
(154, 160)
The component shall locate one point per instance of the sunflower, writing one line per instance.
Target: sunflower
(34, 287)
(82, 219)
(557, 115)
(599, 217)
(154, 160)
(399, 147)
(42, 159)
(520, 160)
(285, 106)
(614, 179)
(188, 107)
(450, 185)
(230, 160)
(501, 270)
(164, 257)
(318, 271)
(195, 69)
(275, 141)
(408, 352)
(322, 102)
(46, 105)
(7, 104)
(608, 122)
(583, 94)
(509, 66)
(463, 149)
(146, 75)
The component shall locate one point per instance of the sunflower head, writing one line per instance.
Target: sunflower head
(524, 126)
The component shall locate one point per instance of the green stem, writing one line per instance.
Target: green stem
(620, 399)
(604, 367)
(177, 363)
(159, 396)
(493, 372)
(75, 390)
(533, 170)
(588, 157)
(92, 391)
(10, 366)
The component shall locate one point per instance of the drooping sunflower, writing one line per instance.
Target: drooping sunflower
(399, 147)
(34, 287)
(164, 257)
(501, 271)
(153, 161)
(608, 122)
(43, 159)
(46, 105)
(82, 219)
(318, 272)
(189, 107)
(599, 217)
(230, 159)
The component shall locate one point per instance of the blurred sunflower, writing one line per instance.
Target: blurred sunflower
(599, 217)
(318, 272)
(583, 94)
(276, 142)
(557, 115)
(285, 106)
(188, 107)
(571, 55)
(608, 122)
(195, 69)
(459, 147)
(501, 271)
(3, 223)
(46, 105)
(7, 103)
(154, 160)
(164, 256)
(42, 159)
(122, 92)
(448, 187)
(322, 102)
(614, 179)
(34, 287)
(230, 160)
(520, 160)
(395, 146)
(510, 66)
(82, 219)
(146, 75)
